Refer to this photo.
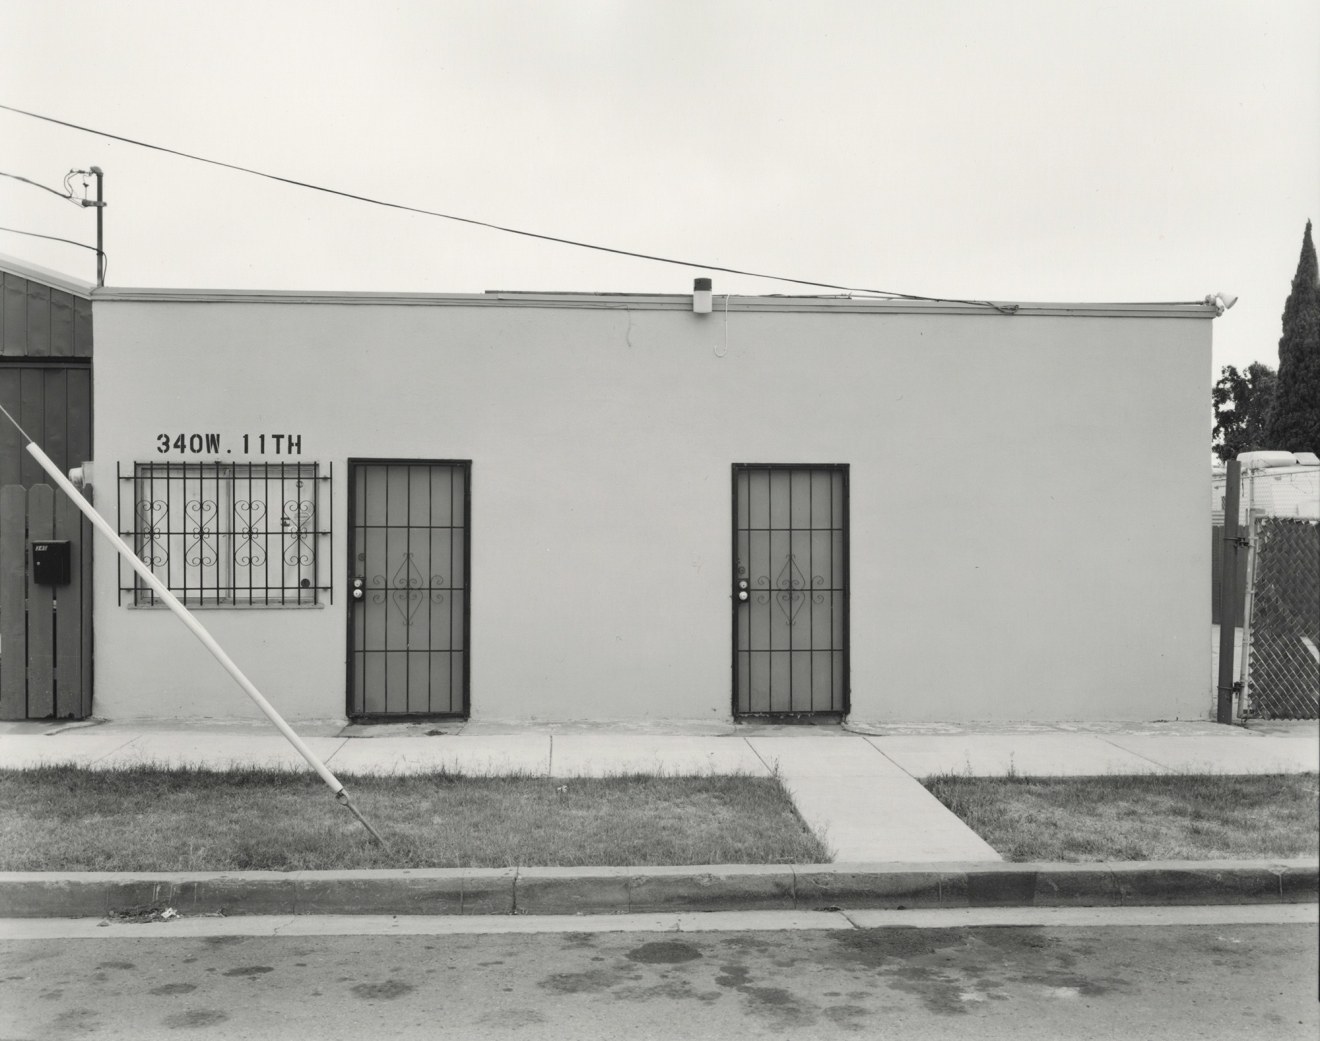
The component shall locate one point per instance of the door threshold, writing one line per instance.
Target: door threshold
(387, 726)
(792, 719)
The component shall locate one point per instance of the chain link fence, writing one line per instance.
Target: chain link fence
(1282, 677)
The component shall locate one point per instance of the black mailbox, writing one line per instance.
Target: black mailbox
(50, 562)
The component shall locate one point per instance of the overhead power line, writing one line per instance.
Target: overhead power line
(1003, 308)
(53, 238)
(67, 197)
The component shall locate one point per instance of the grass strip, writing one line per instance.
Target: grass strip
(1139, 817)
(63, 818)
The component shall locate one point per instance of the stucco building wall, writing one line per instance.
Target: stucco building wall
(1027, 492)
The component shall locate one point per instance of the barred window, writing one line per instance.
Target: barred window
(219, 534)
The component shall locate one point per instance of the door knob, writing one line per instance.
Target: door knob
(742, 589)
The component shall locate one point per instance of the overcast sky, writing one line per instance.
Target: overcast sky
(1034, 150)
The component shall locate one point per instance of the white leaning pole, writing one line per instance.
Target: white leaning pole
(186, 617)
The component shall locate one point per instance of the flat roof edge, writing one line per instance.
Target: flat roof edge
(654, 302)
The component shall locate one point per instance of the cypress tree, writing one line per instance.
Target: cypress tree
(1294, 423)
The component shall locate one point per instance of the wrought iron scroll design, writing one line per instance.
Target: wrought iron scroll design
(208, 530)
(406, 588)
(203, 550)
(250, 547)
(150, 515)
(788, 589)
(298, 516)
(407, 581)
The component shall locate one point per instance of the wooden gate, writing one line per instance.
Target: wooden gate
(45, 630)
(46, 385)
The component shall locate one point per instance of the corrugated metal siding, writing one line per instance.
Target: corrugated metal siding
(39, 321)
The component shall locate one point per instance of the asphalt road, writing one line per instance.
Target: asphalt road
(1162, 979)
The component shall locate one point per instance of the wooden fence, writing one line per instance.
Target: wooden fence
(45, 631)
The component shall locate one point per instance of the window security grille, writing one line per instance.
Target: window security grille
(222, 534)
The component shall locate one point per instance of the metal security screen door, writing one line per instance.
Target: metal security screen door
(790, 590)
(408, 575)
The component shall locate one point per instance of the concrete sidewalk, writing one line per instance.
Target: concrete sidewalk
(857, 787)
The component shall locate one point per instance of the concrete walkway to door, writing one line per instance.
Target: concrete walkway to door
(857, 786)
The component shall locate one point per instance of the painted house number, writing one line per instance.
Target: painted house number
(210, 444)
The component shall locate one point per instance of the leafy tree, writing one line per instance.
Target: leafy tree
(1294, 419)
(1242, 402)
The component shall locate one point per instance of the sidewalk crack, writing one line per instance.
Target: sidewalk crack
(886, 755)
(772, 768)
(1154, 762)
(116, 750)
(327, 760)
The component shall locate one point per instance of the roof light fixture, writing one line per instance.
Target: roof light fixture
(701, 296)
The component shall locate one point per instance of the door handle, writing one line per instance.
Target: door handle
(358, 591)
(743, 594)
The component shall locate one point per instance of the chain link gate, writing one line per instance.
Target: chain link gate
(1281, 659)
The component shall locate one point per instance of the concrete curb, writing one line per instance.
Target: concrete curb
(618, 890)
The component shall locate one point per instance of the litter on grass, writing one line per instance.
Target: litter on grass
(142, 915)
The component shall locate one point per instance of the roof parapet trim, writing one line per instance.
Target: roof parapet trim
(652, 302)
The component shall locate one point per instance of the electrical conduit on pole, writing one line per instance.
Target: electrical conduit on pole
(1228, 594)
(1243, 689)
(207, 640)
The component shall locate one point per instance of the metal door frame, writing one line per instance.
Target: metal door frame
(841, 468)
(466, 464)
